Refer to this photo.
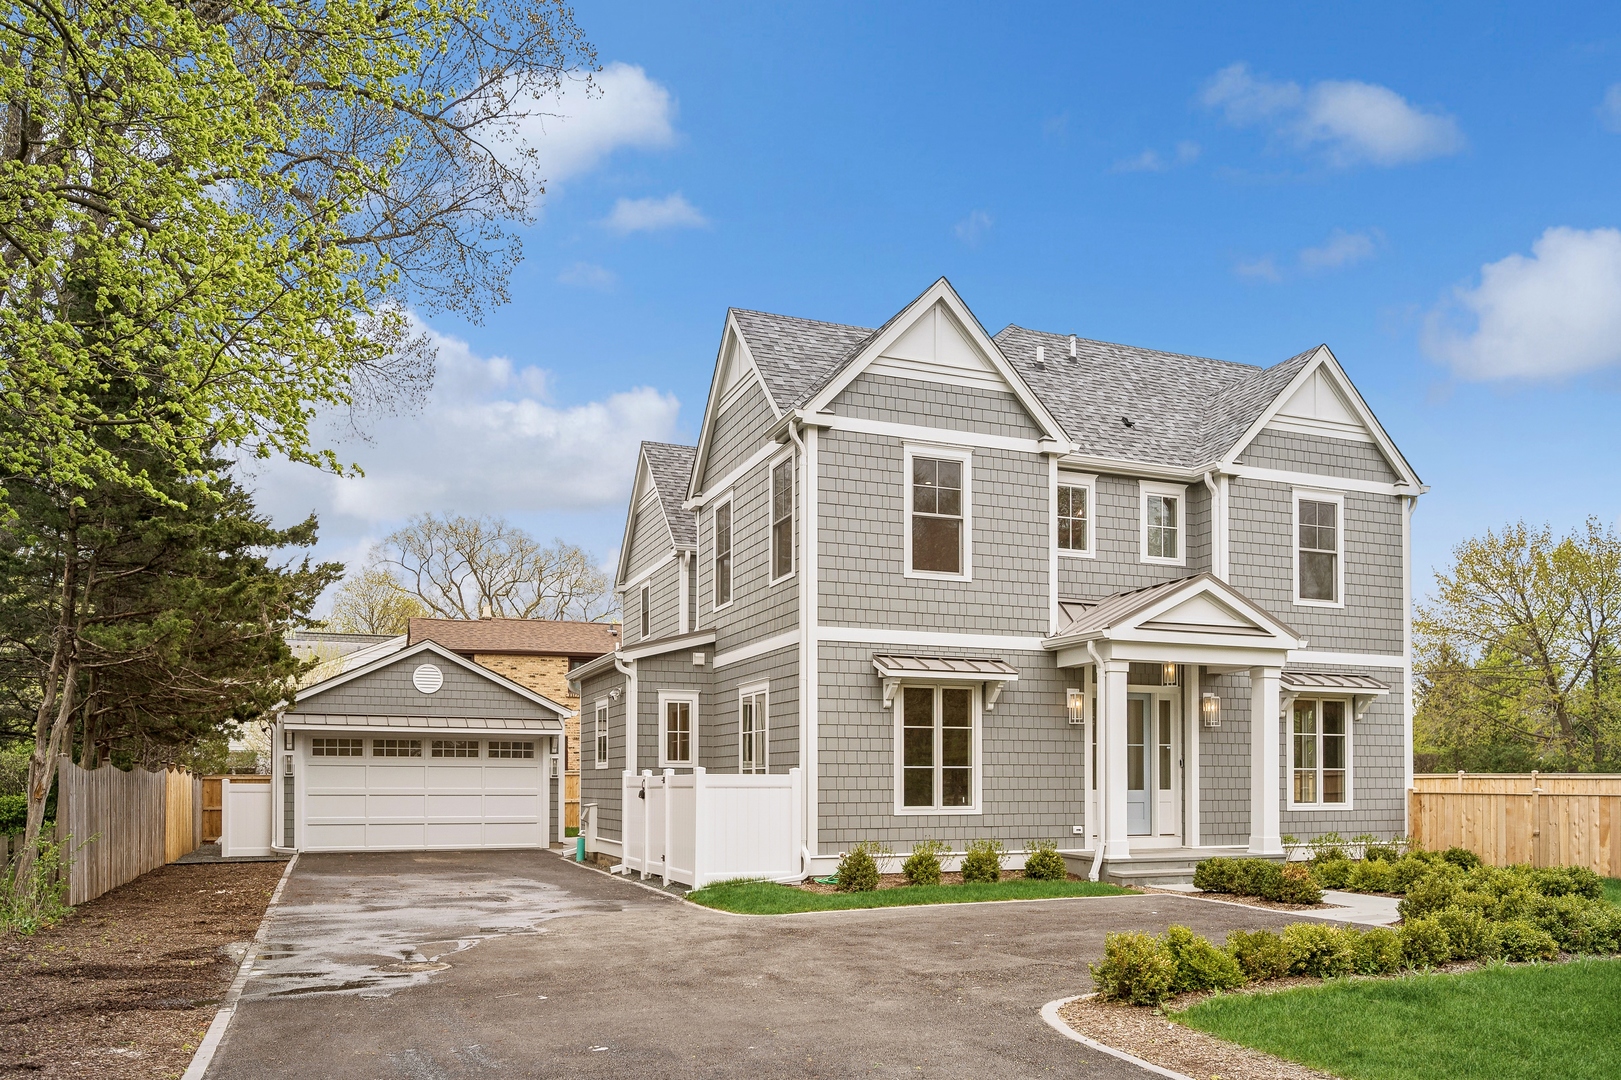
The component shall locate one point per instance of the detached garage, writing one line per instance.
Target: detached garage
(417, 750)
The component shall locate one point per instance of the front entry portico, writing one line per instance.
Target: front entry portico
(1139, 659)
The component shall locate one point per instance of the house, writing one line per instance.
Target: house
(944, 585)
(536, 653)
(417, 748)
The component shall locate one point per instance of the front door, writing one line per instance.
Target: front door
(1139, 811)
(1152, 773)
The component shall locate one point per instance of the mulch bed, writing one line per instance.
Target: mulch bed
(1148, 1034)
(898, 881)
(128, 984)
(1249, 901)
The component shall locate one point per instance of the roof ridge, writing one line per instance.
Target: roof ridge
(1134, 348)
(797, 318)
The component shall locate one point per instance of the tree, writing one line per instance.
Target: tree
(372, 602)
(465, 567)
(1519, 651)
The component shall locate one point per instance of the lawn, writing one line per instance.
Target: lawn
(1527, 1022)
(1612, 890)
(767, 898)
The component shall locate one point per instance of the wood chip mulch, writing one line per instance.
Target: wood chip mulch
(127, 985)
(1248, 901)
(1150, 1035)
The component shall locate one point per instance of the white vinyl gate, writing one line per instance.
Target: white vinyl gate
(699, 827)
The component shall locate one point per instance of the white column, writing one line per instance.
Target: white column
(1265, 794)
(1193, 712)
(1112, 749)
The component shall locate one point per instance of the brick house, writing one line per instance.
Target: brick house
(1030, 586)
(536, 654)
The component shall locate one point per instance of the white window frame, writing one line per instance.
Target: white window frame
(731, 555)
(1179, 492)
(761, 690)
(951, 453)
(771, 516)
(1089, 483)
(600, 748)
(1338, 499)
(976, 693)
(643, 618)
(666, 697)
(1350, 756)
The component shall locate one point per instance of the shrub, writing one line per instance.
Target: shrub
(1564, 917)
(922, 867)
(13, 813)
(1136, 967)
(1409, 869)
(1424, 943)
(1328, 847)
(1320, 949)
(858, 870)
(983, 862)
(1261, 954)
(1469, 935)
(1372, 876)
(1462, 858)
(1043, 863)
(1295, 886)
(1520, 941)
(1333, 873)
(1378, 951)
(1199, 964)
(1214, 875)
(40, 900)
(1386, 853)
(1568, 881)
(1428, 895)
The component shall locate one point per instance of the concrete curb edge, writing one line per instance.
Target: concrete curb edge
(1049, 1013)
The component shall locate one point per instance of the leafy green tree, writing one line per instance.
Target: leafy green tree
(371, 601)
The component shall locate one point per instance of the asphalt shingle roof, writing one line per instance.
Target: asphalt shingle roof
(541, 637)
(797, 357)
(671, 467)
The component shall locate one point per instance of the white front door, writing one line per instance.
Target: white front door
(1139, 812)
(1153, 775)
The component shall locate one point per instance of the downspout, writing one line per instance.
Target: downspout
(1218, 534)
(1099, 802)
(805, 652)
(632, 720)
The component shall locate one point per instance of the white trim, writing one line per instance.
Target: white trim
(660, 646)
(757, 647)
(647, 572)
(882, 635)
(1349, 720)
(976, 771)
(758, 689)
(810, 655)
(1053, 610)
(683, 592)
(1332, 429)
(1346, 659)
(861, 425)
(724, 485)
(772, 466)
(1408, 505)
(339, 679)
(965, 551)
(712, 404)
(601, 725)
(1322, 481)
(1089, 483)
(691, 698)
(1179, 492)
(727, 501)
(1050, 1013)
(1338, 500)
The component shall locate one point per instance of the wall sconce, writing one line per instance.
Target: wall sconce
(287, 739)
(1210, 710)
(1168, 678)
(613, 694)
(1076, 701)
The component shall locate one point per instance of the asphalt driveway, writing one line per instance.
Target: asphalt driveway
(523, 964)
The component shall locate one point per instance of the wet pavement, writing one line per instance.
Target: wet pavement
(520, 964)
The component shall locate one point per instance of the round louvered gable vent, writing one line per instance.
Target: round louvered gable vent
(427, 678)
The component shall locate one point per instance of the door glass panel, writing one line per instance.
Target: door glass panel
(1164, 773)
(1136, 722)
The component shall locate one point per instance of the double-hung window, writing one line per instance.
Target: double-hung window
(1163, 523)
(752, 716)
(782, 519)
(1075, 499)
(723, 554)
(1320, 752)
(646, 591)
(938, 749)
(601, 735)
(1318, 534)
(937, 502)
(678, 727)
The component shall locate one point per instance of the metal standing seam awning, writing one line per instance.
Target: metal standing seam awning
(995, 674)
(1361, 688)
(298, 721)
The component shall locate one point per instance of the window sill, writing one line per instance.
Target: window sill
(1319, 603)
(929, 811)
(934, 575)
(774, 582)
(715, 609)
(1069, 553)
(1311, 808)
(1152, 560)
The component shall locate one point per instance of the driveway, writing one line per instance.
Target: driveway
(523, 964)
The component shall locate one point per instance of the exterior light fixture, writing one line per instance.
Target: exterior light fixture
(1076, 701)
(287, 738)
(1169, 678)
(1210, 710)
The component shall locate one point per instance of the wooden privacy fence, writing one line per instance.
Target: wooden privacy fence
(119, 825)
(1546, 819)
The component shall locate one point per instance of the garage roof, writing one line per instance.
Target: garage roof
(423, 723)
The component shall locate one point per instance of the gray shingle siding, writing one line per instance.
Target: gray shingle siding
(672, 671)
(908, 401)
(663, 604)
(1318, 454)
(389, 692)
(649, 534)
(780, 670)
(1117, 541)
(758, 609)
(601, 786)
(738, 431)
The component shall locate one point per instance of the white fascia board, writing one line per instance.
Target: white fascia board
(920, 433)
(443, 653)
(712, 405)
(1319, 481)
(421, 725)
(759, 647)
(762, 453)
(1384, 661)
(1207, 583)
(667, 645)
(884, 635)
(1212, 654)
(648, 571)
(942, 292)
(643, 469)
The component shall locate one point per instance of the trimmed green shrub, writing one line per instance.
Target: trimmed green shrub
(1386, 853)
(1409, 869)
(1136, 967)
(1378, 952)
(1565, 917)
(1329, 847)
(922, 867)
(1521, 941)
(1214, 875)
(1462, 858)
(1320, 949)
(1424, 943)
(1199, 964)
(858, 870)
(1278, 882)
(983, 862)
(1333, 873)
(1469, 935)
(1043, 863)
(1428, 895)
(1261, 954)
(1568, 881)
(1376, 876)
(1295, 886)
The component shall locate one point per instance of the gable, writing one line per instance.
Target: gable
(389, 690)
(1205, 613)
(1318, 407)
(936, 348)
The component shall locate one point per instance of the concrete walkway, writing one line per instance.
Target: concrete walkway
(1361, 908)
(433, 965)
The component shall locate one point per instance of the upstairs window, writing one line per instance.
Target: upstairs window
(723, 554)
(1075, 514)
(1317, 552)
(645, 605)
(1162, 523)
(782, 519)
(1320, 749)
(937, 505)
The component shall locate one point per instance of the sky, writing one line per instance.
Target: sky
(1429, 189)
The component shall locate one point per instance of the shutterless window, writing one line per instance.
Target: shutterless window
(504, 749)
(1320, 753)
(782, 519)
(1073, 518)
(1162, 525)
(336, 747)
(937, 747)
(937, 515)
(1319, 550)
(644, 610)
(723, 554)
(454, 748)
(751, 732)
(602, 736)
(678, 732)
(396, 748)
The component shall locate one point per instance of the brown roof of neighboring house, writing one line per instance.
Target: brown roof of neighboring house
(538, 637)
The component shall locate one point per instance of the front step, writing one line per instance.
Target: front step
(1173, 866)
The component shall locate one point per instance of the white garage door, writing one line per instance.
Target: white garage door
(371, 792)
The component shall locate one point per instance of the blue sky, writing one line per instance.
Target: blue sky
(1430, 190)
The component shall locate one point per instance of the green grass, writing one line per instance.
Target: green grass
(570, 831)
(1612, 890)
(1528, 1022)
(768, 898)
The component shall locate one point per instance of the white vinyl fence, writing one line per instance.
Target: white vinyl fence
(245, 815)
(698, 828)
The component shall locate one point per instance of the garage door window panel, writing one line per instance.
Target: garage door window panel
(455, 748)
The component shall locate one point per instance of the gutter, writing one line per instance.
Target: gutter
(628, 670)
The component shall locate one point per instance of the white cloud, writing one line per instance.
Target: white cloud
(1263, 269)
(1353, 122)
(1556, 313)
(588, 275)
(645, 215)
(1609, 110)
(972, 229)
(573, 131)
(1340, 249)
(1153, 161)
